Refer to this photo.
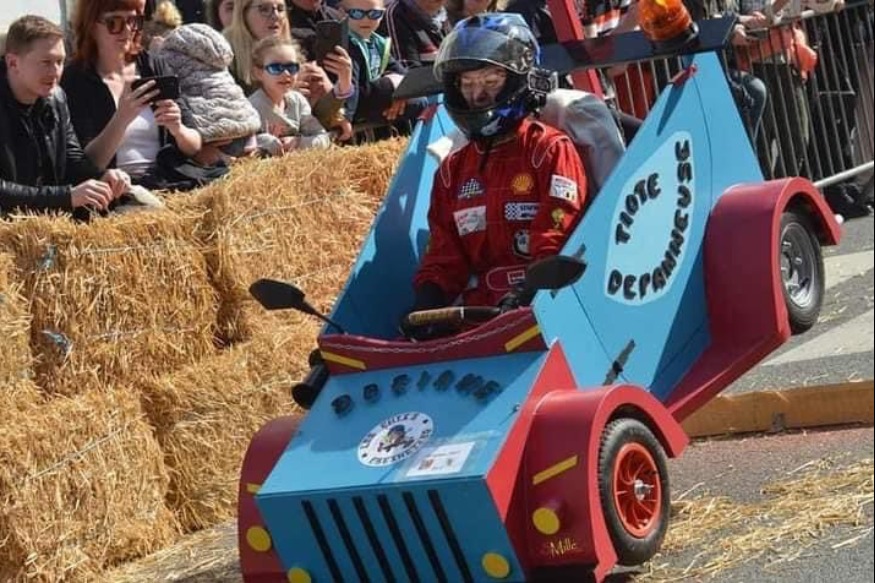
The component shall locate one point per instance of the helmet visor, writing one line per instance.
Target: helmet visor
(472, 47)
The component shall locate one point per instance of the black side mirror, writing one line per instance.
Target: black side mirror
(278, 295)
(554, 272)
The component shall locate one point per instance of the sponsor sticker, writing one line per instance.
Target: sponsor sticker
(563, 188)
(395, 439)
(470, 220)
(520, 211)
(558, 216)
(521, 243)
(522, 184)
(441, 460)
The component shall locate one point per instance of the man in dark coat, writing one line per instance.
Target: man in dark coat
(42, 166)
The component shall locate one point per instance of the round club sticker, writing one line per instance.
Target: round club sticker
(395, 439)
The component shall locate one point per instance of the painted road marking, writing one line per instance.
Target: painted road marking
(852, 337)
(841, 268)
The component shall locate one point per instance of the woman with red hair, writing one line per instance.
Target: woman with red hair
(120, 126)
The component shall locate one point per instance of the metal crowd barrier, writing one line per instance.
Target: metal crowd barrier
(817, 123)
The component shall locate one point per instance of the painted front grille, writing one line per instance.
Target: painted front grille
(384, 522)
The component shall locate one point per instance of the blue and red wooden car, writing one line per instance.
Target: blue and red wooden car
(534, 446)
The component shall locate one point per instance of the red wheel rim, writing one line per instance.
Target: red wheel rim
(637, 490)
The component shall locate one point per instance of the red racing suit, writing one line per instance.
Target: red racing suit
(488, 223)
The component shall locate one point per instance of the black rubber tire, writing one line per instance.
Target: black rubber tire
(803, 307)
(632, 549)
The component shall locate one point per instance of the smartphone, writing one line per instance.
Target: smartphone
(330, 34)
(168, 86)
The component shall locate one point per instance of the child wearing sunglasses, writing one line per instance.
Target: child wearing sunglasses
(286, 120)
(375, 72)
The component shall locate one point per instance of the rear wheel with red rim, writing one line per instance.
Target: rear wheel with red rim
(634, 490)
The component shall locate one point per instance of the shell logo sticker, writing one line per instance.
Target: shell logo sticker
(395, 439)
(522, 184)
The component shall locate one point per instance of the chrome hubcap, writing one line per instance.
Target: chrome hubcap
(798, 264)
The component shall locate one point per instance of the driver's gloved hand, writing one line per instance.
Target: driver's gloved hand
(515, 298)
(429, 296)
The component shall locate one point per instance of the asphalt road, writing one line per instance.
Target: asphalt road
(817, 528)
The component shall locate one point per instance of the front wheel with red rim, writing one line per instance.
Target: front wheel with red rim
(634, 490)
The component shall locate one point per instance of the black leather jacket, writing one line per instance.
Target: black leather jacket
(61, 159)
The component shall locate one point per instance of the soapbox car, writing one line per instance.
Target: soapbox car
(533, 446)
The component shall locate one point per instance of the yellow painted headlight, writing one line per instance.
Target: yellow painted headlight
(546, 520)
(258, 539)
(298, 575)
(495, 565)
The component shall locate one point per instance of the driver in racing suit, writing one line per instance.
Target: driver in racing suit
(516, 190)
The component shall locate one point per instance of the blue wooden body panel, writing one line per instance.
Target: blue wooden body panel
(380, 290)
(322, 463)
(696, 123)
(560, 317)
(326, 444)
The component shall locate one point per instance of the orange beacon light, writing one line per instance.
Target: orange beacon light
(666, 23)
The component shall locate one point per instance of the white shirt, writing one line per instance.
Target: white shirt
(140, 145)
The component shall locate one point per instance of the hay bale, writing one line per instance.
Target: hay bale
(16, 360)
(82, 487)
(115, 299)
(369, 169)
(20, 395)
(206, 414)
(300, 218)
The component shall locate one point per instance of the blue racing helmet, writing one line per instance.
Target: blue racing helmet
(504, 40)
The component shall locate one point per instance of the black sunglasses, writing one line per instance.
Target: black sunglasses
(277, 69)
(116, 24)
(359, 13)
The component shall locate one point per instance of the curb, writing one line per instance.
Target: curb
(798, 408)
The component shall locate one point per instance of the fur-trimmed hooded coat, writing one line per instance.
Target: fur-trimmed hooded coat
(200, 56)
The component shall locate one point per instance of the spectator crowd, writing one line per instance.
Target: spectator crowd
(148, 95)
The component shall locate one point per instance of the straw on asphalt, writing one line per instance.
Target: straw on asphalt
(794, 514)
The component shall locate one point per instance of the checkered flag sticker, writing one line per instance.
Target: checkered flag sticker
(471, 188)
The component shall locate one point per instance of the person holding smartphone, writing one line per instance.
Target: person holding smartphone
(118, 125)
(304, 15)
(376, 73)
(255, 20)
